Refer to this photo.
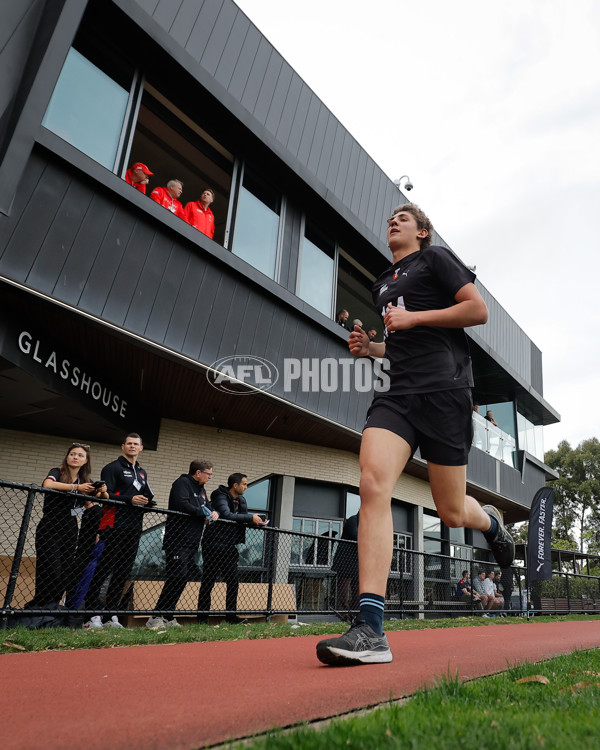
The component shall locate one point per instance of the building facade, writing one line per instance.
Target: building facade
(118, 316)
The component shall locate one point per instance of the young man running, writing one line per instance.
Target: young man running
(426, 298)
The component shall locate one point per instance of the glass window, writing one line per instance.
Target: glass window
(459, 555)
(87, 109)
(311, 551)
(257, 495)
(316, 270)
(354, 294)
(433, 563)
(530, 437)
(401, 563)
(352, 503)
(150, 558)
(432, 526)
(256, 237)
(456, 535)
(176, 147)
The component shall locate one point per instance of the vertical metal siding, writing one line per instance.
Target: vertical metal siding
(232, 50)
(279, 98)
(318, 141)
(299, 120)
(267, 87)
(218, 38)
(288, 113)
(184, 21)
(163, 11)
(244, 63)
(257, 74)
(327, 150)
(203, 28)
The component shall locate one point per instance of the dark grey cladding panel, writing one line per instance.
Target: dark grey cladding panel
(219, 36)
(506, 338)
(326, 154)
(279, 98)
(481, 468)
(128, 268)
(267, 87)
(299, 119)
(257, 74)
(164, 10)
(245, 60)
(17, 33)
(232, 50)
(537, 379)
(288, 114)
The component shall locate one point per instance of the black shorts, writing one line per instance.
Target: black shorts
(440, 424)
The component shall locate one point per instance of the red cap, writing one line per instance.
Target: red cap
(143, 167)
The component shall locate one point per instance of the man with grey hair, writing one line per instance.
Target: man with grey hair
(169, 197)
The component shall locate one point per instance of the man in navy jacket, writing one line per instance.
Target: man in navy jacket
(219, 551)
(183, 534)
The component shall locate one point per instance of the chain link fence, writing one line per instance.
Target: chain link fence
(62, 555)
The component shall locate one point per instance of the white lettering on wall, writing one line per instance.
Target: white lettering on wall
(75, 376)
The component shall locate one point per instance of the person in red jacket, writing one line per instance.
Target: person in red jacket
(199, 215)
(138, 176)
(168, 197)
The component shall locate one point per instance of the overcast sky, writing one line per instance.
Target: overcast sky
(493, 110)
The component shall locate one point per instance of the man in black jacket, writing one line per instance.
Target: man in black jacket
(219, 551)
(120, 526)
(182, 536)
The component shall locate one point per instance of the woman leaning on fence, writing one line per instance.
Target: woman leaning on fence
(56, 533)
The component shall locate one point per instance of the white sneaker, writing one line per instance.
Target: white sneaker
(172, 623)
(113, 623)
(154, 623)
(94, 623)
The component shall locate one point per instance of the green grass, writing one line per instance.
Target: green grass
(494, 713)
(16, 640)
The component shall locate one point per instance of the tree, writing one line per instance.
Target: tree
(577, 504)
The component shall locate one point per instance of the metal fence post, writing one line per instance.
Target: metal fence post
(16, 564)
(269, 537)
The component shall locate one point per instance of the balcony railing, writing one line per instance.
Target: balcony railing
(491, 439)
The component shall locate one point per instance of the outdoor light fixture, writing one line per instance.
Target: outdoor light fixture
(408, 185)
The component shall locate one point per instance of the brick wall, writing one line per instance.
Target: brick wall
(27, 457)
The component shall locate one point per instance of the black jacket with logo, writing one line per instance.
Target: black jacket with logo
(187, 496)
(226, 534)
(120, 477)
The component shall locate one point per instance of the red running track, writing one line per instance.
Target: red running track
(193, 695)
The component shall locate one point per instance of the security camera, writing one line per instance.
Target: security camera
(408, 185)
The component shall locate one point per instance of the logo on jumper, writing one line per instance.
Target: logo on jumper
(242, 374)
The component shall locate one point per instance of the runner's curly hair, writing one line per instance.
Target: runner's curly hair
(422, 220)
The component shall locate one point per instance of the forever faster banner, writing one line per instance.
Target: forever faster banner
(539, 563)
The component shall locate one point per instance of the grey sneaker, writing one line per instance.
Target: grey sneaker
(502, 545)
(360, 645)
(172, 623)
(154, 623)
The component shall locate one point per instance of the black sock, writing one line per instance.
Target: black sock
(371, 611)
(492, 531)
